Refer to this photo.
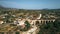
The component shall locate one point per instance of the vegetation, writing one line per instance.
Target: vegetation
(17, 32)
(7, 27)
(50, 28)
(27, 26)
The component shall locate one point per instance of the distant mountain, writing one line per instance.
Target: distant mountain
(46, 9)
(6, 9)
(2, 6)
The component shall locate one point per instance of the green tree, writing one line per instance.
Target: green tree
(50, 28)
(27, 24)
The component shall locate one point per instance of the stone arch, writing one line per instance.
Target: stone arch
(46, 21)
(37, 23)
(41, 21)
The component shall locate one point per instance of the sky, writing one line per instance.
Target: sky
(31, 4)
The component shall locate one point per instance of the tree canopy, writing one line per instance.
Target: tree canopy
(50, 28)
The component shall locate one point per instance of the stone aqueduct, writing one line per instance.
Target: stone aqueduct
(41, 21)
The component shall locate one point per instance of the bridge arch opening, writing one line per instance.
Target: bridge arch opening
(37, 23)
